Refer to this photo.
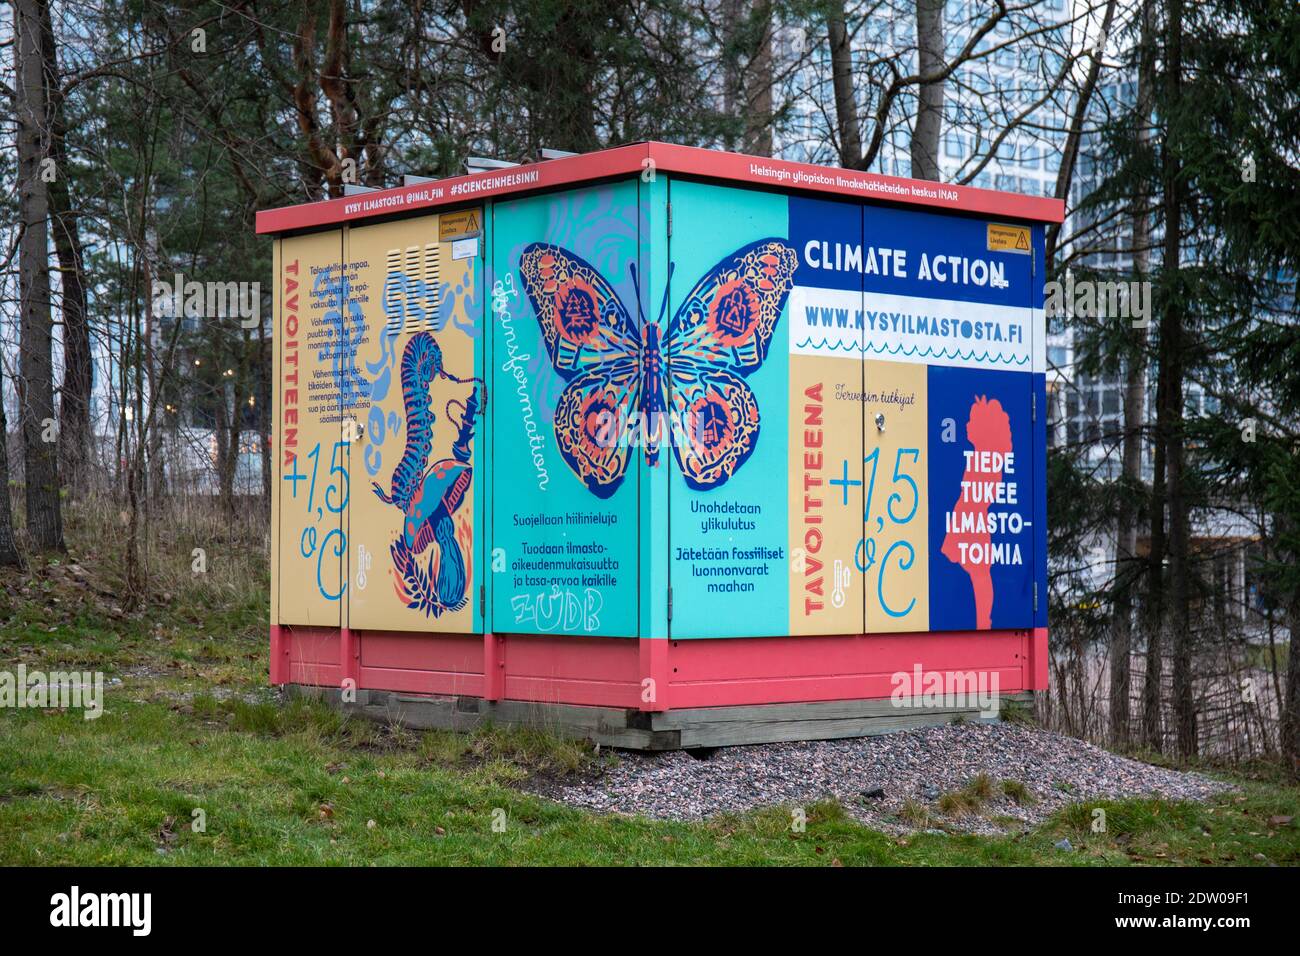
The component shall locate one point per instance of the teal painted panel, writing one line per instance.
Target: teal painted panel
(654, 479)
(564, 365)
(728, 537)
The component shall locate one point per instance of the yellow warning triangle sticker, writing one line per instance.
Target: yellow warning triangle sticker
(458, 225)
(1007, 238)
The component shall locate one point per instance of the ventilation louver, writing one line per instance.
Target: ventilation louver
(414, 299)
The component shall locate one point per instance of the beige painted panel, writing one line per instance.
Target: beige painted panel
(276, 314)
(415, 554)
(311, 460)
(895, 549)
(825, 482)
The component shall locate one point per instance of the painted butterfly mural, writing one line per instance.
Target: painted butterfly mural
(687, 381)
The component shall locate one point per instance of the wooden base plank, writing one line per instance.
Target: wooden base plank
(637, 730)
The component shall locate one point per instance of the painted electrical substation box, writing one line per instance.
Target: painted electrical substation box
(661, 435)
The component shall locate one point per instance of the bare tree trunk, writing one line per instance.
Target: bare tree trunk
(1121, 647)
(319, 167)
(1070, 154)
(121, 345)
(8, 546)
(1121, 640)
(136, 580)
(1151, 690)
(1273, 655)
(1290, 731)
(846, 106)
(228, 432)
(142, 422)
(929, 96)
(1172, 339)
(221, 433)
(758, 94)
(157, 471)
(747, 72)
(35, 364)
(263, 392)
(157, 485)
(74, 400)
(137, 529)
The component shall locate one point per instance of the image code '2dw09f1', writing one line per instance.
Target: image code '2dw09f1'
(663, 447)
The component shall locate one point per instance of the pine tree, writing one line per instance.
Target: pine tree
(1224, 122)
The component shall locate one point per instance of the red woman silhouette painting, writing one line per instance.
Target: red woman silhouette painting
(969, 541)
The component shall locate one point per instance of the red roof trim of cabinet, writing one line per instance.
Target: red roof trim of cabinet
(640, 158)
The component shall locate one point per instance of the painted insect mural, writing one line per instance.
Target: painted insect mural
(691, 375)
(429, 495)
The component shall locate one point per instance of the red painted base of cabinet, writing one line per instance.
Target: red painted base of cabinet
(646, 674)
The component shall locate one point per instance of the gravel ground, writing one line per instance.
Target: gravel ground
(874, 776)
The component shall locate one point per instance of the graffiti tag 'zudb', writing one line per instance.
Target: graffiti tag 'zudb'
(430, 495)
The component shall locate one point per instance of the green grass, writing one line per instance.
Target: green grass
(1013, 711)
(298, 784)
(1017, 791)
(191, 726)
(969, 799)
(916, 814)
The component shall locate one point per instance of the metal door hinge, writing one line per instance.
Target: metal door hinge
(670, 604)
(482, 600)
(670, 220)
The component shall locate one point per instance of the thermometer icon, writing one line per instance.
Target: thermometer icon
(363, 565)
(841, 583)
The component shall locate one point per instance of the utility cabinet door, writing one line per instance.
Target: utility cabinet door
(724, 345)
(825, 444)
(948, 351)
(566, 425)
(1039, 407)
(311, 456)
(415, 423)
